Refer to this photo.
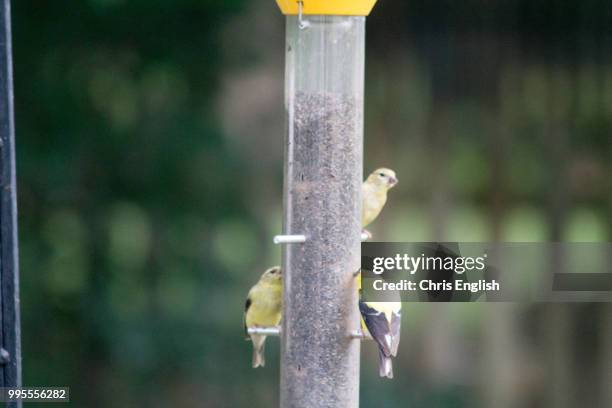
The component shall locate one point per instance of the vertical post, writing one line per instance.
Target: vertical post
(322, 200)
(10, 342)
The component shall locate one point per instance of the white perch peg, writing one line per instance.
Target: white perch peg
(358, 334)
(289, 239)
(265, 331)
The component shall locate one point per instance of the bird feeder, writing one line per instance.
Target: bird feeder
(324, 75)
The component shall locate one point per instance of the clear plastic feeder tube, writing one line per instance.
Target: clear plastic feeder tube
(322, 200)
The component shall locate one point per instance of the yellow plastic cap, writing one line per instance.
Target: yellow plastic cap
(328, 7)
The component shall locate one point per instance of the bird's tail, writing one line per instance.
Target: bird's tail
(385, 365)
(259, 342)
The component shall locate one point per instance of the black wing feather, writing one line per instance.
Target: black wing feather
(247, 304)
(378, 326)
(396, 322)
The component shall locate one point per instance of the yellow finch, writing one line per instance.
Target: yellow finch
(382, 320)
(374, 194)
(263, 309)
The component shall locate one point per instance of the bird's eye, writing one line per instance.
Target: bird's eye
(381, 174)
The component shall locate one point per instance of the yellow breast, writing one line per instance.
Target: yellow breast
(373, 201)
(266, 305)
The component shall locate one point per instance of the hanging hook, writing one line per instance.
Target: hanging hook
(302, 24)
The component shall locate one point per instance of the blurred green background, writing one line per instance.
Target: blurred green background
(150, 145)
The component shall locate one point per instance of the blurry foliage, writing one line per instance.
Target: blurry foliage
(142, 223)
(123, 176)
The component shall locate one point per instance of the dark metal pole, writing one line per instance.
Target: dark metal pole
(10, 341)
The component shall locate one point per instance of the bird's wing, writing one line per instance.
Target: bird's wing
(379, 328)
(396, 321)
(247, 305)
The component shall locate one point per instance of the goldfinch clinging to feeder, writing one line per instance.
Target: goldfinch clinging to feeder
(383, 321)
(374, 194)
(263, 309)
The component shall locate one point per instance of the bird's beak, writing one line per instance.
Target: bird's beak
(392, 181)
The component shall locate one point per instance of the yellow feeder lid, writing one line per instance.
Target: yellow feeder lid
(328, 7)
